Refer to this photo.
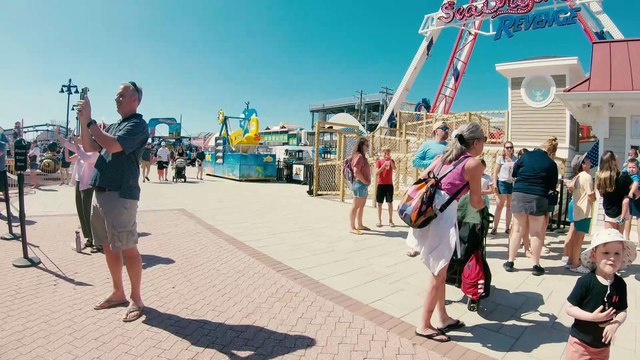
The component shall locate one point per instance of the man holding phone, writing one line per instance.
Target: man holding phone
(117, 192)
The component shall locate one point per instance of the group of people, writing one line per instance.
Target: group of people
(526, 191)
(163, 158)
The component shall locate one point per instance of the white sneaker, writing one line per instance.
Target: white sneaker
(565, 259)
(580, 269)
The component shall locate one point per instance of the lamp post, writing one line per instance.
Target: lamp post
(68, 89)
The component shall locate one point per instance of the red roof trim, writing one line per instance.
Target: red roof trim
(615, 66)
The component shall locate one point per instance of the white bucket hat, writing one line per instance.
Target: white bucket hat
(607, 236)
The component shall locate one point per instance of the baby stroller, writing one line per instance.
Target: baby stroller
(179, 170)
(473, 228)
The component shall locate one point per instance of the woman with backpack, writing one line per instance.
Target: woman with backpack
(360, 185)
(460, 172)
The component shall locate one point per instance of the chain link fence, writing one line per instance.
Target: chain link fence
(403, 142)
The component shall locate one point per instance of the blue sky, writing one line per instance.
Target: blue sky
(195, 57)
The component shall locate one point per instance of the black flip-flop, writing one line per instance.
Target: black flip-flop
(456, 325)
(434, 335)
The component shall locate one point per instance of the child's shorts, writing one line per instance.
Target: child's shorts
(577, 350)
(384, 192)
(582, 225)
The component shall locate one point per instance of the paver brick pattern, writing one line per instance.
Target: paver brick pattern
(208, 296)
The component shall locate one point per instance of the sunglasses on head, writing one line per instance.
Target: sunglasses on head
(135, 87)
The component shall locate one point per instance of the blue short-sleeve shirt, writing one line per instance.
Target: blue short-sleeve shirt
(120, 171)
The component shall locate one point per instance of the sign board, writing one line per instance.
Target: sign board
(21, 150)
(515, 16)
(298, 172)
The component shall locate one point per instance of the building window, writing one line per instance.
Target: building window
(538, 90)
(635, 126)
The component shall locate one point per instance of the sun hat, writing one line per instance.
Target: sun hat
(439, 124)
(577, 161)
(607, 236)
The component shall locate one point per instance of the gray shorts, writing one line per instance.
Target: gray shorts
(113, 220)
(529, 204)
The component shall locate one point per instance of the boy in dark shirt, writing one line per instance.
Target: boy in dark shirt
(598, 301)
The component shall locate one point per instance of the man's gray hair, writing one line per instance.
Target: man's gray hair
(133, 89)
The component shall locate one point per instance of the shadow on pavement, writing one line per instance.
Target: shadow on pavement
(143, 234)
(633, 269)
(15, 221)
(228, 339)
(536, 333)
(62, 276)
(387, 234)
(153, 260)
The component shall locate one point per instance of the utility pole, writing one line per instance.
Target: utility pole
(387, 92)
(361, 93)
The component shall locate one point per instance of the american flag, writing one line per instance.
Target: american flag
(593, 154)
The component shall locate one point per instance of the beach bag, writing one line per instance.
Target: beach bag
(473, 277)
(347, 171)
(416, 208)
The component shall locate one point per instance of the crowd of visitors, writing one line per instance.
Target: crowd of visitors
(526, 188)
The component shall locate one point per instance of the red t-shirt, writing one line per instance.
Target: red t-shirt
(385, 177)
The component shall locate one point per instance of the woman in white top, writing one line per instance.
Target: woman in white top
(502, 173)
(82, 171)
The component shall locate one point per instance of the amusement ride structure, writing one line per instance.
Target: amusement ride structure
(498, 18)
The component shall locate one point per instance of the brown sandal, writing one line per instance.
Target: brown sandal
(139, 310)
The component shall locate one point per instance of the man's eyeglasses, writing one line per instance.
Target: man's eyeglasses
(444, 128)
(135, 87)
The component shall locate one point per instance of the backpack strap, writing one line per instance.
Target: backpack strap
(455, 164)
(457, 192)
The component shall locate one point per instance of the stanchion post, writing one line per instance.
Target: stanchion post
(4, 187)
(21, 149)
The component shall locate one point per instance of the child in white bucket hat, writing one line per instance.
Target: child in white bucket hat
(598, 301)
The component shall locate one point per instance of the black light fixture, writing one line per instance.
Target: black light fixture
(68, 89)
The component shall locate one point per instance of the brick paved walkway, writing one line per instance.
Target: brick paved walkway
(208, 296)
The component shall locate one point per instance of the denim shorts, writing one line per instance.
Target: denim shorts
(505, 188)
(529, 204)
(360, 189)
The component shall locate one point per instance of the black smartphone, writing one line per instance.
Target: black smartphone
(83, 93)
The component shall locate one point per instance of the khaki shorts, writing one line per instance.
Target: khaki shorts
(113, 220)
(145, 164)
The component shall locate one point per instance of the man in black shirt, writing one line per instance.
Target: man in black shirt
(117, 192)
(200, 156)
